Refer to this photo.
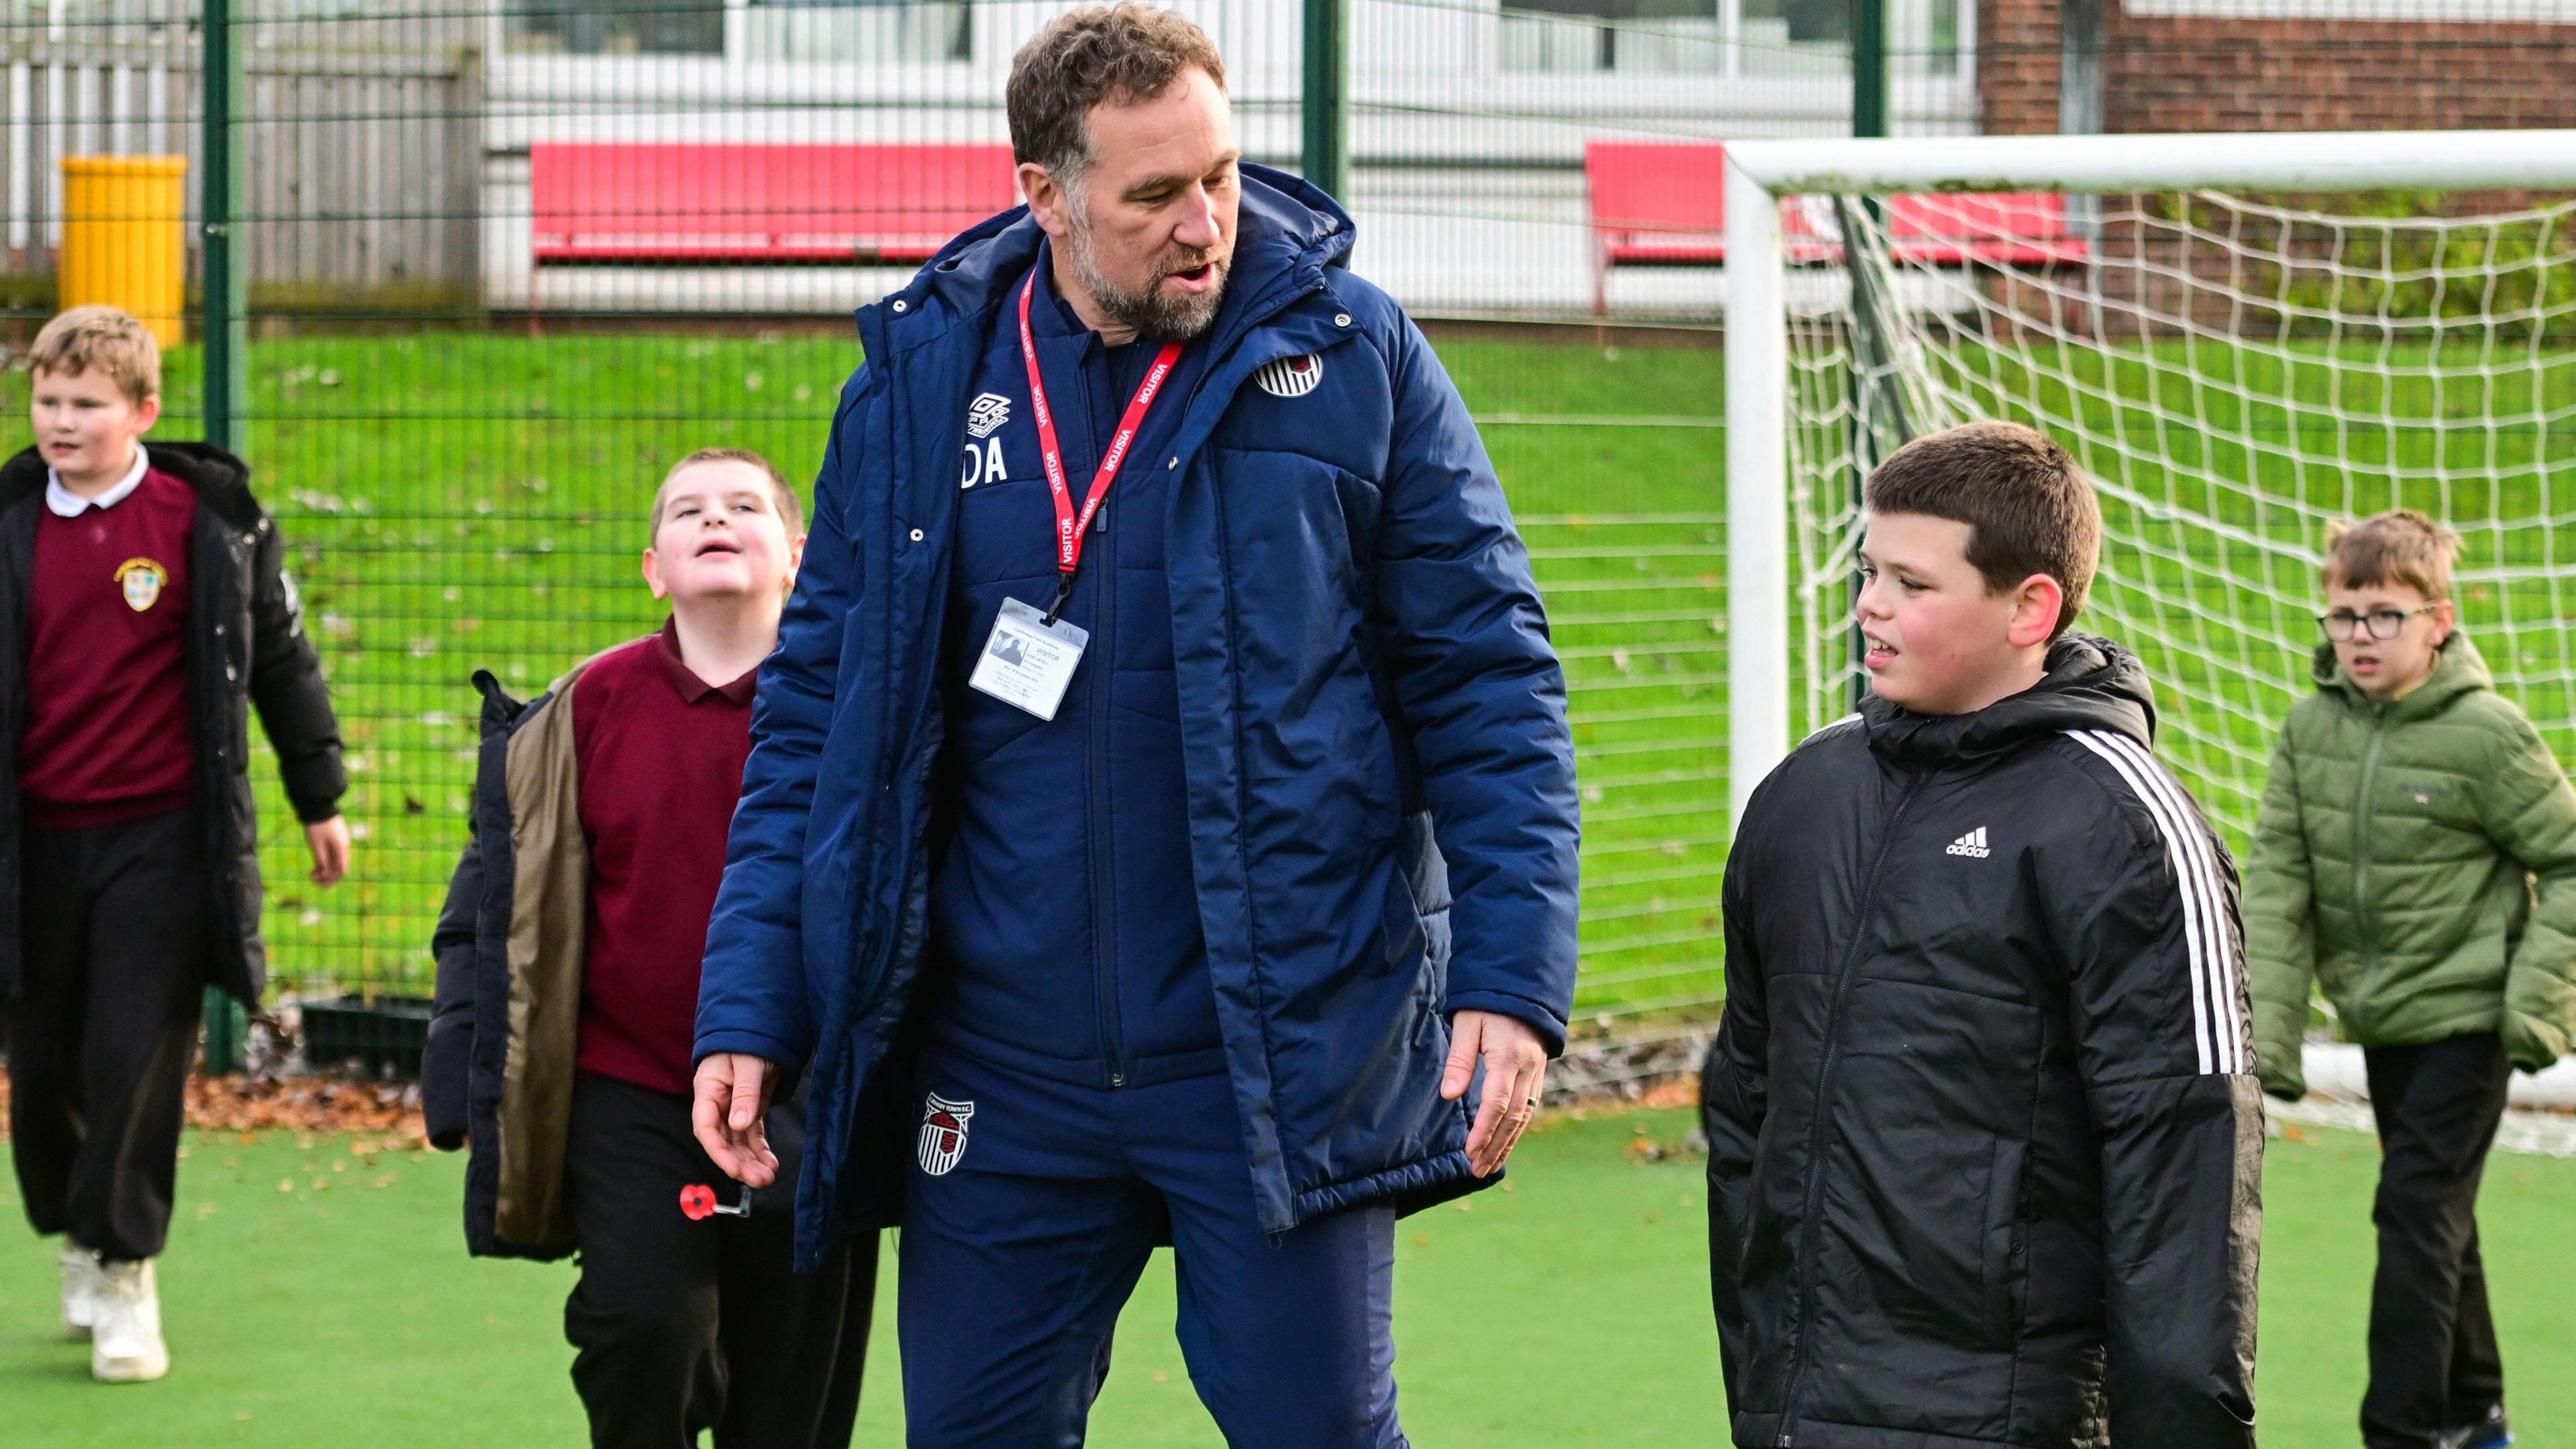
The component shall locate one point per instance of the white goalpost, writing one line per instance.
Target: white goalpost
(2241, 337)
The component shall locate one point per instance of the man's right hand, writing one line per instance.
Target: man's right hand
(730, 1111)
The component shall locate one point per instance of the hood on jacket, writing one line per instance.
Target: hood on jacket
(2090, 684)
(2458, 669)
(1287, 231)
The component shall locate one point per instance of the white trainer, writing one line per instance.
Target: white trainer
(80, 1291)
(125, 1339)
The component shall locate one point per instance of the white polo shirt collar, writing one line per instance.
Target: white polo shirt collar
(67, 504)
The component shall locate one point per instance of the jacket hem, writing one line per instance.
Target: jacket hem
(1762, 1431)
(2487, 1017)
(1416, 1185)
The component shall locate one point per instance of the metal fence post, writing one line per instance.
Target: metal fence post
(225, 290)
(1869, 67)
(224, 297)
(1325, 111)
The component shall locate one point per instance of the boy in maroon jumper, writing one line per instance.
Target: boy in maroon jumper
(145, 609)
(609, 799)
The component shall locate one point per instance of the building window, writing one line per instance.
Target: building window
(603, 27)
(1644, 37)
(919, 31)
(1796, 37)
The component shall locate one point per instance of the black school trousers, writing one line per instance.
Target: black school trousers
(688, 1325)
(2434, 1365)
(112, 963)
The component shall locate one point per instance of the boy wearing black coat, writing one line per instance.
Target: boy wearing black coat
(144, 612)
(568, 959)
(1984, 1133)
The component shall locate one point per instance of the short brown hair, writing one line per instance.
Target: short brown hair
(103, 337)
(2028, 508)
(1119, 53)
(790, 512)
(2400, 546)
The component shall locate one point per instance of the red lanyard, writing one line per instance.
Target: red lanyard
(1070, 527)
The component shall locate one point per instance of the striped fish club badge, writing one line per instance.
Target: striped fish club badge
(140, 579)
(1291, 376)
(943, 1134)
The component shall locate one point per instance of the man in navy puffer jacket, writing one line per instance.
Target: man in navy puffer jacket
(1212, 949)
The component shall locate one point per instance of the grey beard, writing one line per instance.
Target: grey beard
(1148, 312)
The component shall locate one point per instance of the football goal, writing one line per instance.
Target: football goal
(2241, 337)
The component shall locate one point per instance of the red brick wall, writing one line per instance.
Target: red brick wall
(2168, 73)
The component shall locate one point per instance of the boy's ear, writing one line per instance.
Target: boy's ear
(653, 576)
(147, 412)
(2446, 616)
(2037, 602)
(795, 558)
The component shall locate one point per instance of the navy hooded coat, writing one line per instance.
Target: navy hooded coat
(1383, 818)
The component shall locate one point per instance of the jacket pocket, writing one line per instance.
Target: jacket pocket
(2006, 1247)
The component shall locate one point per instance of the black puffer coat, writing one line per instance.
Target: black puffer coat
(1984, 1138)
(246, 649)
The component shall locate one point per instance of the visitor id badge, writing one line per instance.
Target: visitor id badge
(1028, 662)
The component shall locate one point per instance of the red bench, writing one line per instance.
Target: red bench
(729, 202)
(1663, 204)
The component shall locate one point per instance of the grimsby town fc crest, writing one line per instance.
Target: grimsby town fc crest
(943, 1134)
(141, 580)
(1291, 376)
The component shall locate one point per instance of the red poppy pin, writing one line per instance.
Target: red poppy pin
(698, 1203)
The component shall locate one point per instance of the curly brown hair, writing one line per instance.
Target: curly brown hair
(1116, 53)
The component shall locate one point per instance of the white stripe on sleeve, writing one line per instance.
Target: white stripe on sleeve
(2208, 942)
(2227, 983)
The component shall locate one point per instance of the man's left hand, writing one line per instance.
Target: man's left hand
(1515, 1064)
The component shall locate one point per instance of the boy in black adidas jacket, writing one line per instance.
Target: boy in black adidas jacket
(1983, 1128)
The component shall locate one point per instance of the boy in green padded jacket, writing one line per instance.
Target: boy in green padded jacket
(2416, 853)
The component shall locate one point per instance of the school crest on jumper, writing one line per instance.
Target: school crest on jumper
(141, 579)
(1291, 376)
(943, 1134)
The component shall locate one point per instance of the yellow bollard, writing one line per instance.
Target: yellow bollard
(124, 225)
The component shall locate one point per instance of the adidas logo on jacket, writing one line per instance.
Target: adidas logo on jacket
(1984, 1142)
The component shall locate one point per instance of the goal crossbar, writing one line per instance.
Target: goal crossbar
(1760, 173)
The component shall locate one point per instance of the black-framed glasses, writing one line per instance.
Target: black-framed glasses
(2343, 625)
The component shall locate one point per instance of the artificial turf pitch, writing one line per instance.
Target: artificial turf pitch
(316, 1298)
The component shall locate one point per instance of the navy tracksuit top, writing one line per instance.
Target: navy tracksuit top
(1062, 904)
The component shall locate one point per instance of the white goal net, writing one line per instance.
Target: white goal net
(2237, 365)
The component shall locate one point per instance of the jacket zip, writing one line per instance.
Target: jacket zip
(1823, 1121)
(2361, 823)
(1104, 635)
(1104, 644)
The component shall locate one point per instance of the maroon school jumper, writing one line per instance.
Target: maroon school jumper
(107, 737)
(660, 753)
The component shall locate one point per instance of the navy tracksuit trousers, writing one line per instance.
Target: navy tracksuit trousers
(1018, 1256)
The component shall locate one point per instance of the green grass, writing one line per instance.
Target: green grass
(457, 502)
(1571, 1309)
(461, 501)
